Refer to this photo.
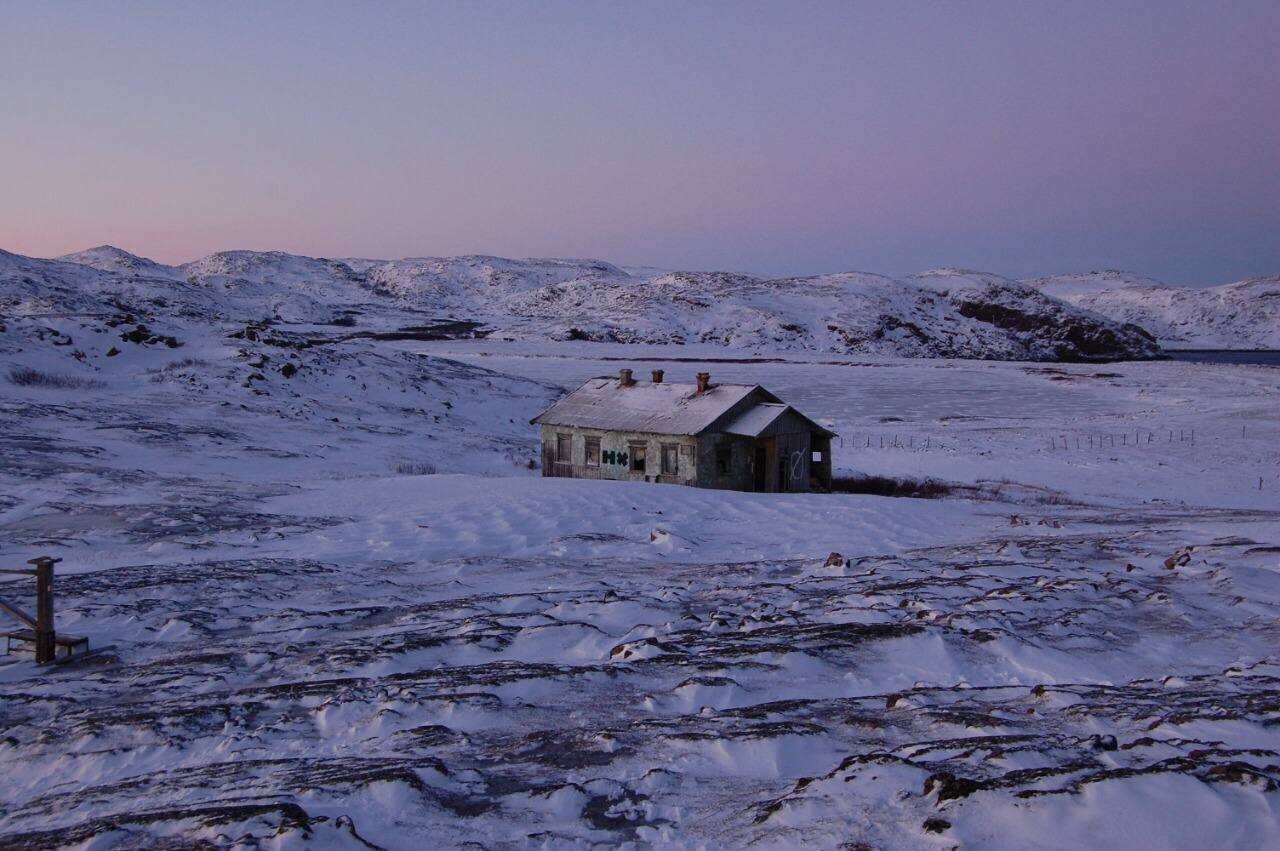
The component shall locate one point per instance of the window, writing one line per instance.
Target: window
(816, 456)
(637, 457)
(722, 460)
(670, 458)
(564, 448)
(593, 451)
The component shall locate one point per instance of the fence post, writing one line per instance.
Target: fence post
(45, 649)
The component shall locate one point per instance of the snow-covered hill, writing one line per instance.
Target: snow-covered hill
(940, 313)
(1241, 315)
(479, 285)
(108, 258)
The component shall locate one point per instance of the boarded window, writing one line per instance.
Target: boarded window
(670, 458)
(722, 460)
(593, 451)
(637, 457)
(564, 448)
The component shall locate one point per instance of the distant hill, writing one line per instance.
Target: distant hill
(940, 313)
(1241, 315)
(108, 258)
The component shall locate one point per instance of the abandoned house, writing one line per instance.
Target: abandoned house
(729, 436)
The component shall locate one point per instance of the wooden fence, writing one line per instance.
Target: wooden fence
(39, 634)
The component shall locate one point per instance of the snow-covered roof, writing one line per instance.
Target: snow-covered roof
(655, 408)
(665, 408)
(754, 420)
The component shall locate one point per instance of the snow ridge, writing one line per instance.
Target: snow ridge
(1240, 315)
(945, 312)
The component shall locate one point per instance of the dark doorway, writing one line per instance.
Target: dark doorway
(761, 469)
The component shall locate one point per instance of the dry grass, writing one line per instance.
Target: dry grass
(159, 374)
(888, 486)
(25, 376)
(1002, 490)
(414, 468)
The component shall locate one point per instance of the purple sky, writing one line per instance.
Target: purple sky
(1021, 138)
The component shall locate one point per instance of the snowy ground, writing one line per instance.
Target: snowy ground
(1100, 432)
(313, 649)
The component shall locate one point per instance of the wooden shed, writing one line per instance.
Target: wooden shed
(729, 436)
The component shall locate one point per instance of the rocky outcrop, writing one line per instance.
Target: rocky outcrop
(1241, 315)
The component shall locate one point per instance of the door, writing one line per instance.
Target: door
(670, 459)
(760, 467)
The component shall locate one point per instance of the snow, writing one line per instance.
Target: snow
(664, 408)
(461, 516)
(345, 612)
(944, 313)
(941, 313)
(752, 422)
(1240, 315)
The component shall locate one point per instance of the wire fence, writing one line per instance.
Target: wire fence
(1137, 439)
(1057, 440)
(1260, 440)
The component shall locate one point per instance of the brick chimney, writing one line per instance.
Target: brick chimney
(704, 382)
(657, 376)
(624, 378)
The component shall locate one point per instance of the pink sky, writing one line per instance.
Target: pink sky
(776, 138)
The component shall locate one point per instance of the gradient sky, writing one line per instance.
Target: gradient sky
(1021, 138)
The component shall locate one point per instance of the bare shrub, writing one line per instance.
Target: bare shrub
(185, 363)
(888, 486)
(414, 468)
(160, 374)
(1002, 490)
(25, 376)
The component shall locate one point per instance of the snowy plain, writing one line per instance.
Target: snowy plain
(346, 612)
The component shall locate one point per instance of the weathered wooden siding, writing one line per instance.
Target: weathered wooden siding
(615, 452)
(779, 459)
(740, 471)
(792, 439)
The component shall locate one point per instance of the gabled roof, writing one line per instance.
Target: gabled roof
(755, 420)
(602, 403)
(654, 408)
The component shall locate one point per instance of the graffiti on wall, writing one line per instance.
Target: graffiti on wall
(797, 464)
